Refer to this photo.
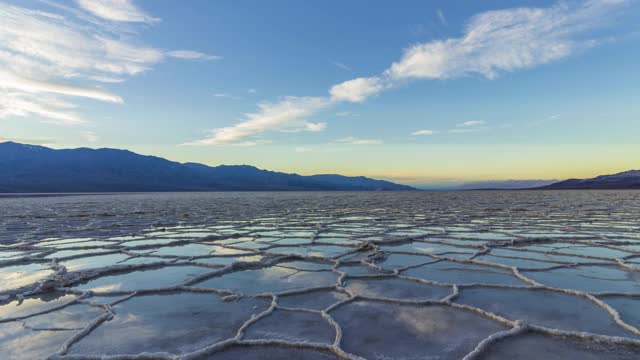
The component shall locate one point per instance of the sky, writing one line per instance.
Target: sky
(427, 93)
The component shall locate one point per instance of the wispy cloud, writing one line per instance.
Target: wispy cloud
(253, 143)
(49, 58)
(493, 43)
(116, 10)
(470, 126)
(424, 132)
(89, 136)
(227, 96)
(356, 90)
(356, 141)
(340, 65)
(441, 17)
(106, 79)
(505, 40)
(471, 123)
(286, 115)
(192, 55)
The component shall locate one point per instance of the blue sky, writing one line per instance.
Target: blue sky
(421, 92)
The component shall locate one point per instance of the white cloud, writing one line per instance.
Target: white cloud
(21, 104)
(494, 42)
(89, 136)
(356, 141)
(286, 115)
(302, 149)
(116, 10)
(47, 59)
(14, 82)
(107, 79)
(315, 126)
(356, 90)
(192, 55)
(226, 96)
(423, 132)
(253, 143)
(441, 17)
(469, 127)
(251, 91)
(471, 123)
(505, 40)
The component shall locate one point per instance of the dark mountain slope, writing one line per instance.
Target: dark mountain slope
(624, 180)
(30, 168)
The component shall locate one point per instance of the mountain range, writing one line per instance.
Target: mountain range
(624, 180)
(38, 169)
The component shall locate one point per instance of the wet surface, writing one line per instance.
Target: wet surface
(474, 275)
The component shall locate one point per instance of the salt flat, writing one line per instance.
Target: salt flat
(321, 275)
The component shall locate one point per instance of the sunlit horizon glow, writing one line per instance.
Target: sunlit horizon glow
(429, 94)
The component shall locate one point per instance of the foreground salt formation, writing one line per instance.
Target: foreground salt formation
(488, 275)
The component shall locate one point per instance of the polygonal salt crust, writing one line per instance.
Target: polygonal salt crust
(33, 305)
(177, 323)
(270, 353)
(316, 300)
(226, 260)
(92, 262)
(519, 263)
(147, 242)
(144, 279)
(271, 279)
(300, 223)
(457, 273)
(393, 331)
(300, 327)
(599, 251)
(358, 270)
(325, 251)
(73, 317)
(548, 256)
(198, 250)
(19, 343)
(80, 252)
(33, 341)
(627, 307)
(589, 278)
(395, 261)
(307, 265)
(545, 308)
(426, 248)
(397, 289)
(531, 346)
(13, 277)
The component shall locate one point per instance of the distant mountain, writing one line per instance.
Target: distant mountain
(502, 184)
(624, 180)
(31, 168)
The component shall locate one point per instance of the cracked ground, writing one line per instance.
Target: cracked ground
(408, 275)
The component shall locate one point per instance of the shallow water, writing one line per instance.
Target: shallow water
(407, 275)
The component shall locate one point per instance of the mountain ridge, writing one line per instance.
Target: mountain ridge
(629, 179)
(35, 168)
